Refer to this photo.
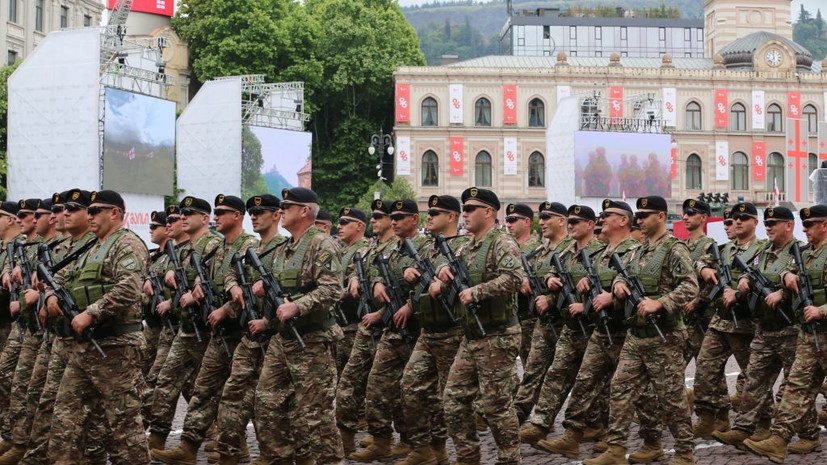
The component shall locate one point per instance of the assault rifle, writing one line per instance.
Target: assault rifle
(365, 306)
(760, 286)
(724, 275)
(427, 276)
(182, 287)
(596, 288)
(567, 292)
(27, 270)
(805, 291)
(210, 297)
(272, 292)
(462, 280)
(397, 299)
(636, 295)
(157, 296)
(248, 311)
(15, 288)
(536, 288)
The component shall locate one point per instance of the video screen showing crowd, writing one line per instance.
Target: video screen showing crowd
(410, 331)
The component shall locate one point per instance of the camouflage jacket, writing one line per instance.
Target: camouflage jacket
(220, 270)
(699, 248)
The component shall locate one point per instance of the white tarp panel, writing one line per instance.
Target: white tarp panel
(560, 150)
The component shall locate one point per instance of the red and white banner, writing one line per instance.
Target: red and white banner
(510, 104)
(758, 109)
(510, 156)
(457, 156)
(722, 160)
(721, 108)
(670, 104)
(793, 104)
(822, 140)
(403, 103)
(158, 7)
(615, 102)
(673, 169)
(565, 91)
(455, 99)
(759, 161)
(797, 183)
(403, 156)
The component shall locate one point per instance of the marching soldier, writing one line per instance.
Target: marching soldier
(697, 312)
(324, 221)
(155, 332)
(518, 223)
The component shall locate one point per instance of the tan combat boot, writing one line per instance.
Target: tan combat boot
(422, 455)
(379, 450)
(705, 425)
(614, 455)
(185, 454)
(227, 459)
(366, 442)
(822, 418)
(601, 446)
(243, 455)
(722, 420)
(5, 446)
(805, 446)
(762, 430)
(305, 461)
(594, 431)
(733, 437)
(774, 448)
(348, 439)
(651, 451)
(735, 401)
(157, 441)
(401, 449)
(440, 452)
(532, 433)
(567, 445)
(212, 431)
(13, 456)
(210, 446)
(682, 458)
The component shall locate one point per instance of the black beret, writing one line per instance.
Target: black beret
(696, 206)
(159, 217)
(298, 196)
(652, 202)
(58, 197)
(194, 203)
(582, 212)
(173, 210)
(78, 196)
(727, 215)
(10, 207)
(45, 204)
(481, 195)
(555, 208)
(266, 202)
(405, 206)
(353, 214)
(744, 207)
(609, 203)
(380, 205)
(519, 209)
(445, 202)
(778, 213)
(28, 204)
(108, 197)
(598, 226)
(816, 211)
(230, 201)
(324, 215)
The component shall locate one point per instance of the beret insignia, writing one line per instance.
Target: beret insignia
(76, 195)
(474, 192)
(257, 200)
(644, 202)
(188, 201)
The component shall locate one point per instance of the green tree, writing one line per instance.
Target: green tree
(399, 189)
(252, 182)
(5, 72)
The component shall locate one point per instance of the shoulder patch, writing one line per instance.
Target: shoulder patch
(129, 263)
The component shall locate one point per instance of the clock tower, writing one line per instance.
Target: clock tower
(728, 20)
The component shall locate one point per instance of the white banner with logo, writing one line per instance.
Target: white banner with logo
(455, 99)
(722, 160)
(758, 109)
(670, 104)
(403, 156)
(563, 92)
(510, 156)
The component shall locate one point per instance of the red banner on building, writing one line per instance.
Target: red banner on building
(615, 102)
(158, 7)
(721, 108)
(794, 105)
(673, 170)
(510, 104)
(403, 103)
(759, 161)
(457, 158)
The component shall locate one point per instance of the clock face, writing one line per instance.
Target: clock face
(773, 58)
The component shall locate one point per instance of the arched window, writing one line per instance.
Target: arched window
(812, 162)
(589, 114)
(693, 116)
(536, 170)
(430, 169)
(738, 117)
(740, 171)
(430, 112)
(482, 112)
(482, 169)
(811, 117)
(536, 113)
(775, 171)
(774, 119)
(693, 172)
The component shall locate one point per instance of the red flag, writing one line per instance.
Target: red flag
(793, 104)
(457, 150)
(673, 172)
(797, 172)
(759, 161)
(403, 103)
(616, 102)
(721, 108)
(510, 104)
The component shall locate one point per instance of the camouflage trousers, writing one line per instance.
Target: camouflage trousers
(560, 376)
(206, 393)
(293, 411)
(236, 405)
(344, 346)
(526, 334)
(155, 350)
(771, 352)
(353, 382)
(694, 339)
(20, 411)
(711, 393)
(112, 385)
(8, 363)
(484, 368)
(543, 343)
(644, 363)
(383, 399)
(179, 370)
(423, 385)
(796, 413)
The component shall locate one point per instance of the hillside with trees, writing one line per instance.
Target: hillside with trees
(811, 32)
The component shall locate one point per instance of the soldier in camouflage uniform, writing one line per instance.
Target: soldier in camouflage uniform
(106, 285)
(156, 333)
(574, 338)
(668, 282)
(226, 332)
(773, 347)
(295, 393)
(352, 387)
(184, 358)
(796, 411)
(394, 347)
(518, 221)
(553, 217)
(8, 229)
(729, 225)
(698, 312)
(485, 365)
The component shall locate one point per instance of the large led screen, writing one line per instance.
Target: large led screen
(272, 159)
(618, 164)
(138, 143)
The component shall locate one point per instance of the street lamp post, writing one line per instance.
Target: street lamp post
(383, 143)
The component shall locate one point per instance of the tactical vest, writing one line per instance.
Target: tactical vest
(816, 272)
(159, 264)
(495, 313)
(349, 305)
(695, 255)
(523, 310)
(771, 319)
(740, 308)
(542, 268)
(649, 277)
(578, 271)
(607, 276)
(430, 314)
(199, 248)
